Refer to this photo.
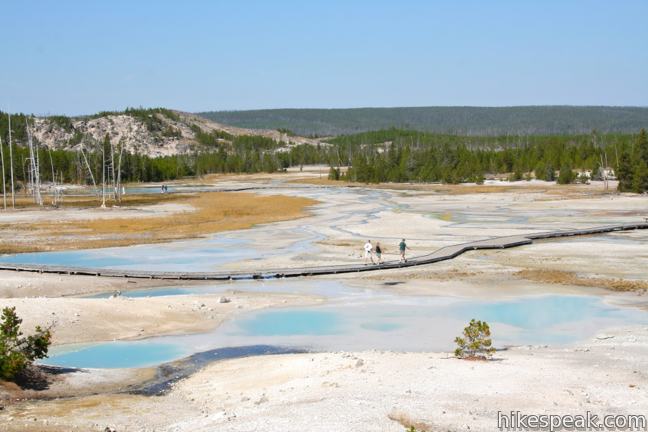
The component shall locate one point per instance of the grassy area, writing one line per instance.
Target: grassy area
(91, 201)
(568, 278)
(210, 212)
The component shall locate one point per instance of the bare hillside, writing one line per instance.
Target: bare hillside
(154, 132)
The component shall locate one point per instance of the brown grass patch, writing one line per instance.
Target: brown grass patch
(433, 274)
(214, 212)
(569, 278)
(91, 201)
(341, 243)
(407, 422)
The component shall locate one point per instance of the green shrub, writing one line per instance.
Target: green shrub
(63, 122)
(172, 132)
(566, 175)
(17, 352)
(286, 131)
(476, 341)
(334, 173)
(515, 176)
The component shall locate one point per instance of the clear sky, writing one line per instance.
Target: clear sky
(79, 57)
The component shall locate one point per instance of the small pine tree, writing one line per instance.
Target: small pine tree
(640, 177)
(566, 176)
(540, 171)
(476, 341)
(642, 145)
(625, 173)
(515, 176)
(334, 173)
(16, 351)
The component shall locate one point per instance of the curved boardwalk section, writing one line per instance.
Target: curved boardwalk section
(443, 254)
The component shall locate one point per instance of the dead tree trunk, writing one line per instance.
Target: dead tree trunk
(94, 183)
(11, 167)
(34, 168)
(4, 186)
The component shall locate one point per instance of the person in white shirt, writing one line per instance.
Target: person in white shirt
(368, 256)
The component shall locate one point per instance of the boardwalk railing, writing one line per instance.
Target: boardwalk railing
(443, 254)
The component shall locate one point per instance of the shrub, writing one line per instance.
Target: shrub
(334, 174)
(566, 175)
(17, 352)
(63, 122)
(515, 176)
(583, 178)
(476, 341)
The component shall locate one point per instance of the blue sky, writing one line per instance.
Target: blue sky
(78, 57)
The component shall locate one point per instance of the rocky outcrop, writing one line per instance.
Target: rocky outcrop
(147, 132)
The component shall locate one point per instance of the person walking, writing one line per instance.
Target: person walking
(368, 256)
(379, 252)
(402, 246)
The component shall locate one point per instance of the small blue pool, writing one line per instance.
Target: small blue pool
(118, 355)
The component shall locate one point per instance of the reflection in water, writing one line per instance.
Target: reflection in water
(191, 255)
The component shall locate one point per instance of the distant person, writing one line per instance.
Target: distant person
(162, 189)
(368, 256)
(402, 247)
(379, 252)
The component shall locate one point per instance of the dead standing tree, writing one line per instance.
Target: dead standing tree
(34, 167)
(11, 166)
(4, 186)
(87, 164)
(118, 187)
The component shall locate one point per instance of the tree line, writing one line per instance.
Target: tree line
(632, 168)
(397, 155)
(390, 155)
(242, 155)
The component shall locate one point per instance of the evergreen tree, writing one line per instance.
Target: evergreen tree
(567, 175)
(642, 145)
(625, 173)
(640, 177)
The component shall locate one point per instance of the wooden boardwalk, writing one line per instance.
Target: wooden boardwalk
(443, 254)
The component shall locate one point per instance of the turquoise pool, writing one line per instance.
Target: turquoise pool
(381, 322)
(118, 355)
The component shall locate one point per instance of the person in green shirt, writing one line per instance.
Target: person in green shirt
(402, 246)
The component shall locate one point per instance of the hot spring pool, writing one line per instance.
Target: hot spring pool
(384, 323)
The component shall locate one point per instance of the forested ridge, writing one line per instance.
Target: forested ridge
(390, 155)
(475, 121)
